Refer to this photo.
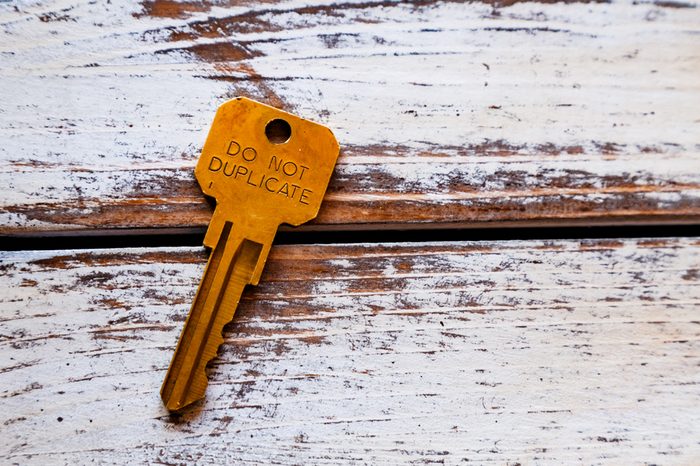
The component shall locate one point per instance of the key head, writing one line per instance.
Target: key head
(262, 164)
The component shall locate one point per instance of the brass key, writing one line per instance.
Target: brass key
(264, 167)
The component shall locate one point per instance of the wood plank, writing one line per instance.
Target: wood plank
(486, 113)
(580, 352)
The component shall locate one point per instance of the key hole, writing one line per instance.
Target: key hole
(278, 131)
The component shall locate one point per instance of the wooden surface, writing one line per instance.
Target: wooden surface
(575, 352)
(449, 114)
(486, 113)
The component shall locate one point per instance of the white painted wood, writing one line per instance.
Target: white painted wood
(575, 352)
(447, 112)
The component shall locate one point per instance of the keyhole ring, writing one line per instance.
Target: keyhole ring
(278, 131)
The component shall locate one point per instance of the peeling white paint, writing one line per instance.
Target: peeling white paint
(525, 351)
(411, 77)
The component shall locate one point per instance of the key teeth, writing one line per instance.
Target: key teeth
(260, 265)
(213, 234)
(199, 384)
(201, 379)
(186, 381)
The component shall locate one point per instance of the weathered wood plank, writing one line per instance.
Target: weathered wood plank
(580, 352)
(452, 113)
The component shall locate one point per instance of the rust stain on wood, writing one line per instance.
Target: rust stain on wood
(217, 52)
(260, 90)
(88, 259)
(495, 148)
(172, 9)
(375, 196)
(656, 243)
(184, 9)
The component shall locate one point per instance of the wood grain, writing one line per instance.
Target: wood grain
(485, 113)
(581, 352)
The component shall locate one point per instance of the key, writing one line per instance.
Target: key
(264, 167)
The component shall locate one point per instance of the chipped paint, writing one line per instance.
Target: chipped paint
(448, 112)
(522, 351)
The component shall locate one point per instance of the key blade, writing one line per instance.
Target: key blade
(230, 268)
(264, 167)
